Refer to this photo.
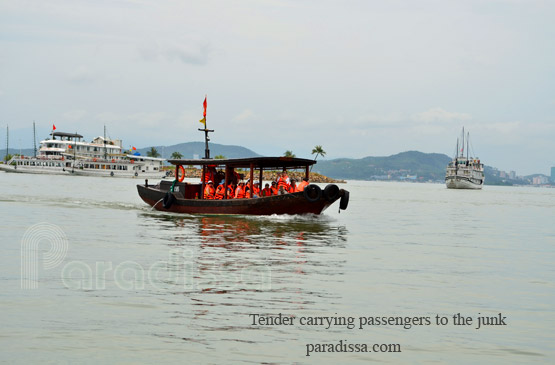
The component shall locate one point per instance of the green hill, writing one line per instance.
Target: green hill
(411, 165)
(190, 149)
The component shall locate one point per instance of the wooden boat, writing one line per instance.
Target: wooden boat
(183, 197)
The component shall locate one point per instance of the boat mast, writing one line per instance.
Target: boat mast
(105, 151)
(7, 141)
(206, 138)
(34, 139)
(462, 146)
(467, 139)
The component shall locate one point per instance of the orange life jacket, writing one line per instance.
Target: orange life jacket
(239, 192)
(219, 192)
(230, 192)
(302, 185)
(209, 192)
(282, 182)
(292, 189)
(274, 190)
(256, 190)
(267, 191)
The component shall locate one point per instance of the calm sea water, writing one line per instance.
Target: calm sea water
(89, 274)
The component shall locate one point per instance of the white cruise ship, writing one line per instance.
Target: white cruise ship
(67, 153)
(464, 172)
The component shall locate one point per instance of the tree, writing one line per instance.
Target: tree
(153, 152)
(289, 154)
(318, 151)
(176, 156)
(8, 157)
(220, 157)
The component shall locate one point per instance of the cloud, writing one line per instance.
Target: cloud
(80, 75)
(439, 115)
(186, 51)
(244, 117)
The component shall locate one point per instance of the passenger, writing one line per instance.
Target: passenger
(282, 191)
(209, 190)
(293, 186)
(274, 188)
(230, 191)
(283, 181)
(302, 185)
(267, 191)
(220, 191)
(256, 189)
(240, 191)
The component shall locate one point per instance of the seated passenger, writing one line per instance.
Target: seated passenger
(220, 191)
(240, 191)
(209, 190)
(274, 188)
(293, 186)
(302, 185)
(267, 191)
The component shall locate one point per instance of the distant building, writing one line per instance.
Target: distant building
(553, 174)
(502, 174)
(512, 175)
(539, 180)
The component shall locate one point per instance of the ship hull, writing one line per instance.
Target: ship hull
(459, 182)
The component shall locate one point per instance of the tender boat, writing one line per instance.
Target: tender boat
(183, 197)
(464, 172)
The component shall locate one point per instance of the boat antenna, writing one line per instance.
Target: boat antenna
(7, 140)
(105, 151)
(206, 131)
(467, 138)
(34, 138)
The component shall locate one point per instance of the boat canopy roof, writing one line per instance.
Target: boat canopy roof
(258, 162)
(63, 134)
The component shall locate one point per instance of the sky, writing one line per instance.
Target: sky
(360, 78)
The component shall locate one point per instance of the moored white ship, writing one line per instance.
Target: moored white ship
(464, 172)
(66, 153)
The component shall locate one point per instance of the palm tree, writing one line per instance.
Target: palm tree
(153, 152)
(219, 157)
(319, 151)
(289, 154)
(176, 156)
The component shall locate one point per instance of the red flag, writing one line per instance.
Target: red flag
(53, 127)
(204, 105)
(134, 149)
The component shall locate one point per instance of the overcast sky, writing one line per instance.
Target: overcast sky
(361, 78)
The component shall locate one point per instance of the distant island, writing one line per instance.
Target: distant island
(412, 166)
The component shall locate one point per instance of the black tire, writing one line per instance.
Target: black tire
(312, 193)
(136, 174)
(111, 173)
(344, 202)
(331, 192)
(168, 201)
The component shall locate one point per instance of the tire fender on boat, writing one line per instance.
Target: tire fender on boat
(331, 192)
(168, 201)
(136, 174)
(111, 173)
(344, 202)
(312, 193)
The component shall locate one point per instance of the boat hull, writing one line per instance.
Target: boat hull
(459, 182)
(294, 203)
(118, 173)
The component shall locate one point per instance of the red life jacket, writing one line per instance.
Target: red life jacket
(209, 192)
(219, 192)
(302, 185)
(274, 190)
(282, 183)
(239, 192)
(292, 189)
(267, 191)
(230, 192)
